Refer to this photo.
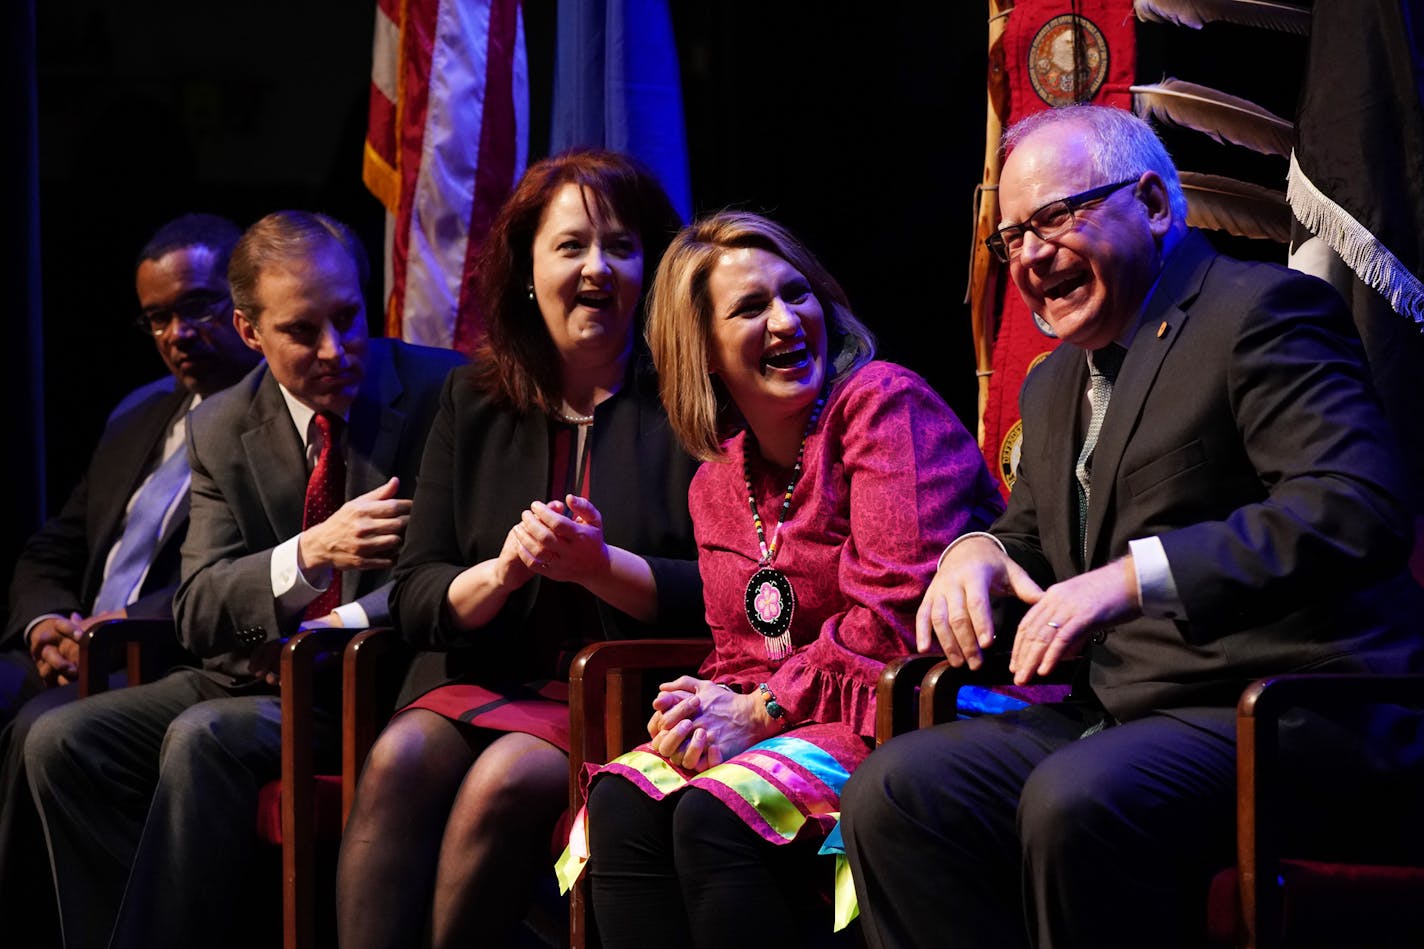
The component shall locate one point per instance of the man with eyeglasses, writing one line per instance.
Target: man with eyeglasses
(113, 549)
(65, 568)
(1208, 493)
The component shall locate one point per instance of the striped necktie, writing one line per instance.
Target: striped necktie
(143, 529)
(1103, 366)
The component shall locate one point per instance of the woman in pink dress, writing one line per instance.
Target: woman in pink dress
(829, 486)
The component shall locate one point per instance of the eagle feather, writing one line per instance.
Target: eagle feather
(1226, 118)
(1195, 13)
(1238, 207)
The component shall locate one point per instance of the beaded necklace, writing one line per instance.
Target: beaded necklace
(770, 598)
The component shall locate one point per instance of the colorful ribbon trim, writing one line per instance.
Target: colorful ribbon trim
(785, 780)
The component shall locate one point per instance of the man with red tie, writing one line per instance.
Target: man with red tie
(297, 517)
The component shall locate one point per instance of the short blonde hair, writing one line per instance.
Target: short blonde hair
(680, 322)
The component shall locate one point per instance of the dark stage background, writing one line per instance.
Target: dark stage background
(861, 129)
(861, 126)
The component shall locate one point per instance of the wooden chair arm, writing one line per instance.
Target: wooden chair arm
(362, 716)
(596, 673)
(1259, 779)
(897, 694)
(939, 692)
(149, 645)
(599, 695)
(298, 690)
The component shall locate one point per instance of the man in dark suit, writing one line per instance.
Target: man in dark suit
(178, 762)
(113, 549)
(1208, 493)
(185, 306)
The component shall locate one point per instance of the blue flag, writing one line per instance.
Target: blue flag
(617, 86)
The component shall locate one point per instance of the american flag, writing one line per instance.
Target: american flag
(447, 139)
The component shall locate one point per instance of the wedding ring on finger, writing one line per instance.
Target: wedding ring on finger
(1054, 624)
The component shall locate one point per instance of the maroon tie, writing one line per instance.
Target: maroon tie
(326, 490)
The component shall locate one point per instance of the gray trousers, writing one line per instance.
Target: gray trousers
(26, 886)
(148, 800)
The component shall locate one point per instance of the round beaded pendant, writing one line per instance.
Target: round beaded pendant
(770, 598)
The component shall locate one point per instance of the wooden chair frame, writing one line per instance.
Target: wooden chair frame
(607, 718)
(362, 653)
(1260, 779)
(149, 644)
(150, 648)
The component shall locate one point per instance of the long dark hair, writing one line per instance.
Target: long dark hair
(514, 357)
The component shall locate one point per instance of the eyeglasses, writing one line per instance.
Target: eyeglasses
(1049, 221)
(195, 309)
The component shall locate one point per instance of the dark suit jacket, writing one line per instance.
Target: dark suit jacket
(1245, 434)
(62, 565)
(483, 466)
(249, 486)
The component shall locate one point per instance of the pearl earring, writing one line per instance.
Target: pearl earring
(531, 293)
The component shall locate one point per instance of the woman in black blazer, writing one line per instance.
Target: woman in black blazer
(499, 587)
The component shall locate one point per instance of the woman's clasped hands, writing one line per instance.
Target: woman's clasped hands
(698, 723)
(561, 540)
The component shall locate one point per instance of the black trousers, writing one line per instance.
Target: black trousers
(1015, 829)
(686, 871)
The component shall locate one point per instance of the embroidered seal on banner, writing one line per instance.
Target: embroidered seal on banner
(1009, 455)
(1051, 63)
(1012, 445)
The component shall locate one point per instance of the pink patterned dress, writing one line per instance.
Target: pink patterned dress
(890, 477)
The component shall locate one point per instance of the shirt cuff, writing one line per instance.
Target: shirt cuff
(290, 587)
(353, 615)
(35, 622)
(1156, 588)
(940, 563)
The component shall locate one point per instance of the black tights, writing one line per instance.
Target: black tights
(449, 833)
(686, 870)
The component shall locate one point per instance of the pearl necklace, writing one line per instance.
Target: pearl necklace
(571, 419)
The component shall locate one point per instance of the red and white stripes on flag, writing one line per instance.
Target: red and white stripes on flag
(447, 138)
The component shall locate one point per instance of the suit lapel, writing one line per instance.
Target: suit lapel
(1056, 496)
(178, 522)
(273, 452)
(1161, 323)
(126, 466)
(376, 425)
(373, 437)
(507, 498)
(617, 435)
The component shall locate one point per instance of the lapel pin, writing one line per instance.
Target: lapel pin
(1162, 330)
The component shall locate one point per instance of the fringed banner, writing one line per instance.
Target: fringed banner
(1357, 175)
(1052, 54)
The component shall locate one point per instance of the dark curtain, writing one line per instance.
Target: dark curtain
(20, 274)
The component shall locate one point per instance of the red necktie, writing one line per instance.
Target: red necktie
(326, 491)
